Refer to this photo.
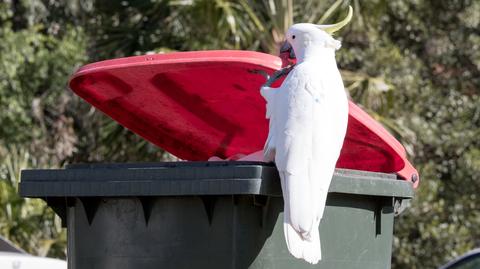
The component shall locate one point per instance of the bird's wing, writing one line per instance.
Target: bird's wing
(293, 112)
(293, 115)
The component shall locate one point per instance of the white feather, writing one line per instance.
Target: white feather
(308, 120)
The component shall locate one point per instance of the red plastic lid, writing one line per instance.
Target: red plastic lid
(201, 104)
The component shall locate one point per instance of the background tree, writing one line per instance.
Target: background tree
(414, 65)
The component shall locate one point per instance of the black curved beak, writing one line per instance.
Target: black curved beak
(286, 47)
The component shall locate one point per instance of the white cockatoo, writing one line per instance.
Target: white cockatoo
(308, 120)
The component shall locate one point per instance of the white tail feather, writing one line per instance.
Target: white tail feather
(305, 245)
(301, 248)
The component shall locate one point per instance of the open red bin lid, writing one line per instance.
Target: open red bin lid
(196, 105)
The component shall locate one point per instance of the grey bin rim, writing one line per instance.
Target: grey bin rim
(191, 178)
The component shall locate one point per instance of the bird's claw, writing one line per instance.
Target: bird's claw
(261, 72)
(276, 75)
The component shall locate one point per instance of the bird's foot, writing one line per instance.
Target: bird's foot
(277, 75)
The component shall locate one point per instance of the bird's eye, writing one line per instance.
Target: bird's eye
(293, 36)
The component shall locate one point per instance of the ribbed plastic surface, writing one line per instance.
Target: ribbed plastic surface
(190, 178)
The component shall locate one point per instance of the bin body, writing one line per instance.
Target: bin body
(211, 215)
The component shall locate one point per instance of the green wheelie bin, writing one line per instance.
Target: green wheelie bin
(211, 215)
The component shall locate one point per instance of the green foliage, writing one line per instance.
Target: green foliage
(414, 65)
(34, 67)
(33, 73)
(26, 222)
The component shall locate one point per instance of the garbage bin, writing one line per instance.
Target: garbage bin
(211, 215)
